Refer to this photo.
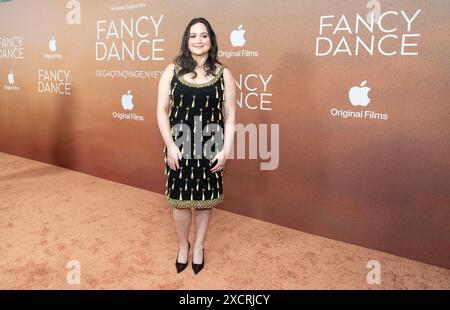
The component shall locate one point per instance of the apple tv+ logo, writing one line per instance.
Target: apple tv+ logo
(127, 105)
(237, 40)
(52, 47)
(359, 97)
(11, 82)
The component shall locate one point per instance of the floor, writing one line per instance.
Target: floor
(124, 238)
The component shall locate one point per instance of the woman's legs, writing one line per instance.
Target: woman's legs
(201, 223)
(182, 219)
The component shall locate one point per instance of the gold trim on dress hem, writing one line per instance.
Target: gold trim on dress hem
(196, 204)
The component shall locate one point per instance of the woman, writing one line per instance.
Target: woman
(196, 116)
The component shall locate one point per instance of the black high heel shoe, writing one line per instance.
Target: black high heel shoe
(198, 267)
(182, 266)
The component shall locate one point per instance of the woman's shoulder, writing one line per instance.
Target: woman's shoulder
(168, 73)
(171, 67)
(221, 68)
(226, 72)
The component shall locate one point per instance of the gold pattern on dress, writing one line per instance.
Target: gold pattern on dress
(196, 204)
(206, 186)
(181, 101)
(198, 85)
(173, 89)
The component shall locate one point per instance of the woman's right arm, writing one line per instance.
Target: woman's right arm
(162, 114)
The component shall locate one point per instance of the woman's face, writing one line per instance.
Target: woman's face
(199, 41)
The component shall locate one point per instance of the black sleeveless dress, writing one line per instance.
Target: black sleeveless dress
(196, 118)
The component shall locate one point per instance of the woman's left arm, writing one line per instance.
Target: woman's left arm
(229, 106)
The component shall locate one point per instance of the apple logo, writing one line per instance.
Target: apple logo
(359, 95)
(52, 44)
(127, 103)
(11, 77)
(237, 37)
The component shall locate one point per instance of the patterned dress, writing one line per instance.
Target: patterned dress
(196, 116)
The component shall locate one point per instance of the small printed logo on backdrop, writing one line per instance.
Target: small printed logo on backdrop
(10, 85)
(358, 96)
(127, 105)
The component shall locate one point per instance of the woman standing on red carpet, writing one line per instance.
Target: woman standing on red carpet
(196, 116)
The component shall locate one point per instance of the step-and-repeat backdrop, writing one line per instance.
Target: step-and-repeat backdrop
(342, 106)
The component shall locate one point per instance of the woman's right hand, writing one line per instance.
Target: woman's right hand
(173, 156)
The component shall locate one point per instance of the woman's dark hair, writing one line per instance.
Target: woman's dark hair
(185, 60)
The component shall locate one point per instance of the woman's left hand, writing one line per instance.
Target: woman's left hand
(221, 160)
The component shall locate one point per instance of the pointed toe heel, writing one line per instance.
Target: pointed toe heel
(181, 266)
(198, 267)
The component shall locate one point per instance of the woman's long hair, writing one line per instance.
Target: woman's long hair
(185, 60)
